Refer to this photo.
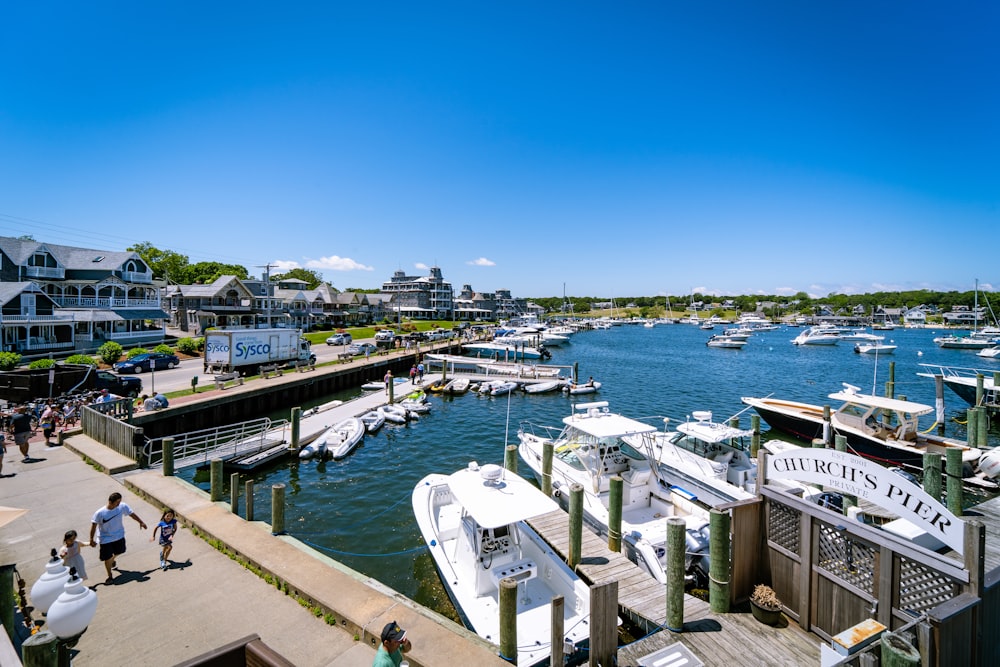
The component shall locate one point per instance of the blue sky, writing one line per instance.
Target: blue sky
(619, 149)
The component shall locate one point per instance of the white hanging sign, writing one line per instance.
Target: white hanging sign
(856, 476)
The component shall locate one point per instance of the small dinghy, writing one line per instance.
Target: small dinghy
(395, 414)
(502, 388)
(329, 405)
(457, 386)
(373, 420)
(315, 448)
(418, 407)
(343, 437)
(542, 387)
(585, 388)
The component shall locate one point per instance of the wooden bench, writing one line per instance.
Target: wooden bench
(345, 356)
(221, 380)
(267, 370)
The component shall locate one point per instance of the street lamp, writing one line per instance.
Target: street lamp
(70, 615)
(48, 587)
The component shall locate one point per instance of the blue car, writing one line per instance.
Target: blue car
(146, 362)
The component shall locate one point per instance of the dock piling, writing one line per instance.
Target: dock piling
(932, 474)
(510, 458)
(548, 449)
(168, 457)
(755, 438)
(840, 442)
(676, 533)
(508, 620)
(953, 487)
(719, 547)
(575, 524)
(234, 492)
(277, 509)
(615, 514)
(215, 474)
(248, 493)
(296, 419)
(557, 624)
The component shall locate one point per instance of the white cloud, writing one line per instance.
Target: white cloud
(284, 265)
(786, 291)
(335, 263)
(482, 261)
(421, 266)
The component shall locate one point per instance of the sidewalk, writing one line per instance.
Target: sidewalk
(205, 599)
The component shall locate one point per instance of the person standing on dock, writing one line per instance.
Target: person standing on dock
(413, 374)
(394, 645)
(420, 372)
(111, 537)
(387, 380)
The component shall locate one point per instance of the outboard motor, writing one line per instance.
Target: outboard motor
(696, 558)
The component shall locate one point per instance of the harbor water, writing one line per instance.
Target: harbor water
(358, 510)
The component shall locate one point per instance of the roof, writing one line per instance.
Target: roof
(69, 257)
(142, 314)
(508, 500)
(599, 424)
(892, 404)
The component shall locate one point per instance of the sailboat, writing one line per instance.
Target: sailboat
(976, 340)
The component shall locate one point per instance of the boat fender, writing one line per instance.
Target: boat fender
(556, 493)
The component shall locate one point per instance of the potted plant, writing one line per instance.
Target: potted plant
(765, 605)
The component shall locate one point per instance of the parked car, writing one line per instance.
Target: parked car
(147, 361)
(360, 348)
(339, 339)
(416, 336)
(125, 385)
(384, 336)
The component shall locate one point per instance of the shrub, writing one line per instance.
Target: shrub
(110, 352)
(764, 596)
(81, 359)
(136, 351)
(9, 360)
(42, 363)
(187, 345)
(163, 348)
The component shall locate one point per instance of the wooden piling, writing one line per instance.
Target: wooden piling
(556, 624)
(615, 514)
(575, 524)
(971, 425)
(939, 415)
(603, 623)
(897, 652)
(508, 620)
(548, 449)
(932, 474)
(296, 419)
(890, 386)
(248, 494)
(980, 379)
(40, 650)
(277, 509)
(818, 443)
(215, 476)
(168, 457)
(953, 487)
(755, 438)
(510, 458)
(827, 427)
(234, 492)
(676, 534)
(719, 549)
(982, 427)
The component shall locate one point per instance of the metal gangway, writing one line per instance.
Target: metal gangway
(220, 442)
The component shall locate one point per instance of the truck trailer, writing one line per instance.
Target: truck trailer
(245, 350)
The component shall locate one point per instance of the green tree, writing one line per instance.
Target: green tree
(312, 278)
(166, 264)
(207, 272)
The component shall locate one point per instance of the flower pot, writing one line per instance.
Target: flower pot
(765, 615)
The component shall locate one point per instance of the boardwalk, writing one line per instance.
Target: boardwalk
(716, 639)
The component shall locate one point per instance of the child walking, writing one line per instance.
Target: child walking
(70, 552)
(167, 528)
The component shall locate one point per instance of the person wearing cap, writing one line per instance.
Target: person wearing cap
(105, 397)
(394, 645)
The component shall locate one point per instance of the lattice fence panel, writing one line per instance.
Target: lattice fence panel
(921, 589)
(846, 558)
(783, 526)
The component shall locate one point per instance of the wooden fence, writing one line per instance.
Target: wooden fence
(105, 423)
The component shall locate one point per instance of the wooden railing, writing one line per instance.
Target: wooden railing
(104, 422)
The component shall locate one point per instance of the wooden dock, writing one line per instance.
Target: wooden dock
(736, 638)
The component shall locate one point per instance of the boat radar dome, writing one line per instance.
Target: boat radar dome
(702, 415)
(491, 473)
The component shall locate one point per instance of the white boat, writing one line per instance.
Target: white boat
(329, 405)
(474, 524)
(593, 446)
(315, 448)
(506, 350)
(343, 437)
(414, 405)
(373, 420)
(953, 342)
(553, 340)
(395, 414)
(816, 336)
(497, 387)
(874, 348)
(457, 386)
(588, 387)
(543, 387)
(726, 342)
(861, 335)
(990, 352)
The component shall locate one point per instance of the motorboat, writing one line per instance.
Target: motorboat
(457, 386)
(588, 387)
(964, 382)
(726, 342)
(990, 352)
(395, 414)
(343, 437)
(315, 448)
(500, 349)
(861, 335)
(817, 336)
(497, 387)
(594, 445)
(953, 342)
(874, 348)
(415, 406)
(543, 387)
(553, 339)
(474, 522)
(738, 333)
(373, 420)
(883, 429)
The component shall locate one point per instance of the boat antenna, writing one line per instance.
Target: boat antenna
(506, 431)
(749, 407)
